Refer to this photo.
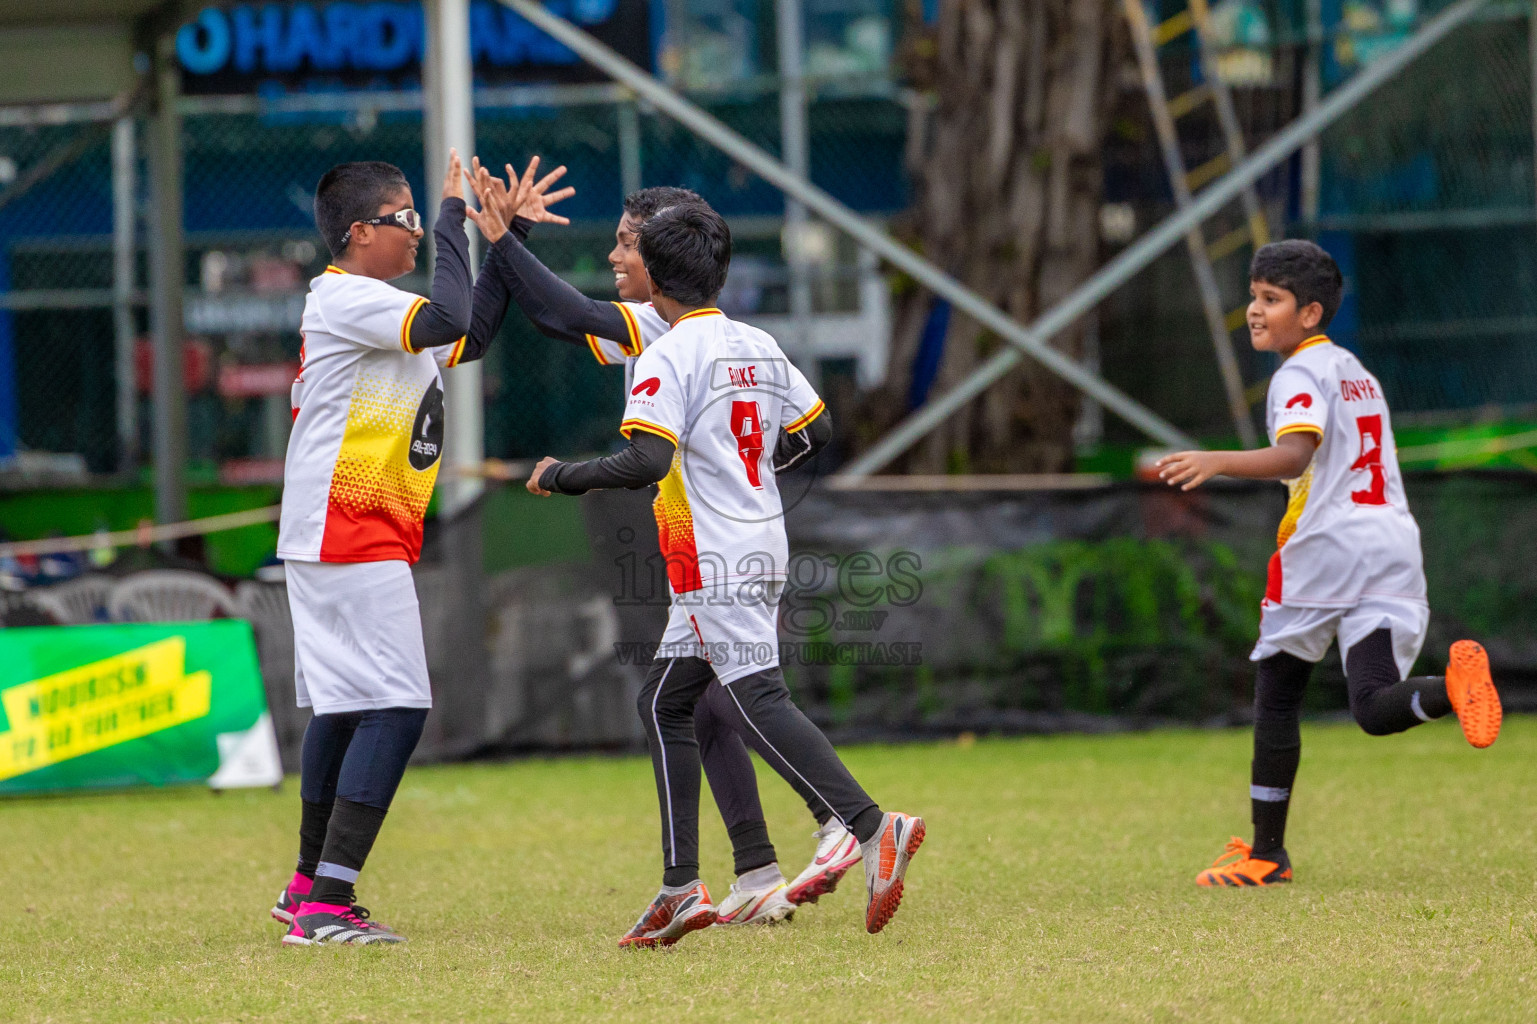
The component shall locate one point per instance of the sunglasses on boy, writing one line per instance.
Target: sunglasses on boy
(407, 218)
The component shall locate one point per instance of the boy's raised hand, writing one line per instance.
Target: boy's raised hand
(534, 198)
(451, 187)
(491, 218)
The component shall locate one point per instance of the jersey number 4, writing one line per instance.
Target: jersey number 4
(747, 427)
(1370, 461)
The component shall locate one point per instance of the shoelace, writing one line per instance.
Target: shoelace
(358, 917)
(1237, 849)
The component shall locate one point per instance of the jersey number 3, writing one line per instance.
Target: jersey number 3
(1370, 461)
(747, 427)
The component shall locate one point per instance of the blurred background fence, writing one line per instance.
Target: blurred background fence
(1425, 196)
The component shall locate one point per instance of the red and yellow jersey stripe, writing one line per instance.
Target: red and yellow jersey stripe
(405, 326)
(1296, 504)
(635, 344)
(698, 313)
(638, 424)
(456, 355)
(675, 529)
(800, 422)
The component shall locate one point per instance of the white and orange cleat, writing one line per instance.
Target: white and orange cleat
(837, 851)
(767, 905)
(1471, 691)
(670, 917)
(886, 856)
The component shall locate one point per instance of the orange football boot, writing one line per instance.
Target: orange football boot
(1242, 868)
(1472, 693)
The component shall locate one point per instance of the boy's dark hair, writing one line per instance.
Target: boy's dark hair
(687, 251)
(645, 203)
(1303, 269)
(348, 193)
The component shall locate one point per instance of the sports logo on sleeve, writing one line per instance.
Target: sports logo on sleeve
(1304, 399)
(650, 386)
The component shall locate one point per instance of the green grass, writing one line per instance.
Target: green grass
(1055, 886)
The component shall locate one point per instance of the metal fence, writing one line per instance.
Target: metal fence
(1427, 199)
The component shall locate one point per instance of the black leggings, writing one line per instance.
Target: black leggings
(358, 755)
(733, 780)
(757, 705)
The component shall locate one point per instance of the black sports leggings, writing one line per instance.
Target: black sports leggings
(723, 752)
(758, 705)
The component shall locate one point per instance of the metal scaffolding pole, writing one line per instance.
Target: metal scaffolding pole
(449, 120)
(168, 282)
(794, 143)
(846, 220)
(628, 117)
(124, 221)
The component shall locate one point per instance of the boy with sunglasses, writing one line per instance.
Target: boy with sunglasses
(362, 460)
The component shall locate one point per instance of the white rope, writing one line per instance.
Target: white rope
(144, 534)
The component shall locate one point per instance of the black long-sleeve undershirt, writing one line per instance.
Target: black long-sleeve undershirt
(444, 319)
(645, 461)
(649, 456)
(792, 450)
(555, 308)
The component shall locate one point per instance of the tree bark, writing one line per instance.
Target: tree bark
(1006, 172)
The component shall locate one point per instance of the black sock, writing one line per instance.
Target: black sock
(313, 820)
(1278, 691)
(866, 823)
(1380, 702)
(680, 874)
(750, 846)
(350, 836)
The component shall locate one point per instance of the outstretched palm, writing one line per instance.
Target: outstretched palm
(523, 197)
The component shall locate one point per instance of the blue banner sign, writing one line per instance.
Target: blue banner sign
(231, 49)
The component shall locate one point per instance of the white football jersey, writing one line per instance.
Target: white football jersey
(644, 325)
(721, 391)
(368, 425)
(1347, 532)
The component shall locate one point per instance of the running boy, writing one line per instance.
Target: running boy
(364, 454)
(712, 396)
(617, 333)
(1347, 564)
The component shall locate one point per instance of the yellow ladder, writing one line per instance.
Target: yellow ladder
(1254, 231)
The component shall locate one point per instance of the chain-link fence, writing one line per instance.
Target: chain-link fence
(1426, 198)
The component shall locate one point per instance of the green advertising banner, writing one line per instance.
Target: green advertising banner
(133, 705)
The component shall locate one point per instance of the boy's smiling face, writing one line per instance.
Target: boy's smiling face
(629, 269)
(1275, 322)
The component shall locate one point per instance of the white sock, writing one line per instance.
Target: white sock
(765, 877)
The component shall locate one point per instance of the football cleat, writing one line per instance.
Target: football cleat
(837, 851)
(886, 856)
(318, 924)
(1472, 693)
(1242, 868)
(289, 899)
(670, 917)
(755, 906)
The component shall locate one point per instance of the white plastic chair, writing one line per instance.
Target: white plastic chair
(169, 595)
(75, 602)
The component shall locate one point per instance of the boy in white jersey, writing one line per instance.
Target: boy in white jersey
(703, 418)
(366, 445)
(616, 333)
(1347, 564)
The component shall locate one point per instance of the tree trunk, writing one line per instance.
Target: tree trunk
(1006, 173)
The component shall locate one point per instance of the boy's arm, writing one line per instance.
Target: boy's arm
(1287, 459)
(445, 318)
(555, 308)
(796, 447)
(647, 459)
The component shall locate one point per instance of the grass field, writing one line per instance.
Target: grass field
(1055, 886)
